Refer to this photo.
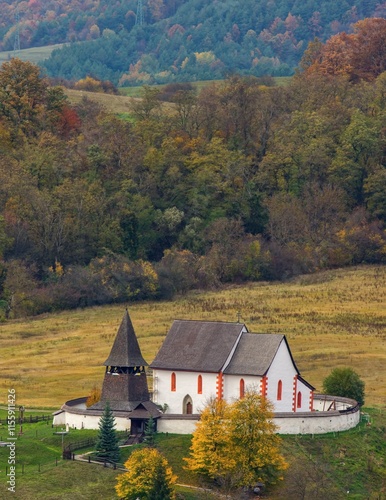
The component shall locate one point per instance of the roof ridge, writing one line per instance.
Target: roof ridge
(211, 321)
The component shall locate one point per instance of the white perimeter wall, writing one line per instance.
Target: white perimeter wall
(176, 426)
(317, 423)
(298, 423)
(295, 423)
(76, 421)
(72, 418)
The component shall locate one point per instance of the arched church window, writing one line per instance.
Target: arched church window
(242, 388)
(279, 390)
(199, 384)
(299, 400)
(173, 382)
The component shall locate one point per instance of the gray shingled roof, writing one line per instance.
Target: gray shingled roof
(197, 345)
(125, 351)
(137, 409)
(254, 354)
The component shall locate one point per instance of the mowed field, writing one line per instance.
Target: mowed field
(34, 54)
(115, 104)
(333, 318)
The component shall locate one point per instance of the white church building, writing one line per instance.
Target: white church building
(201, 360)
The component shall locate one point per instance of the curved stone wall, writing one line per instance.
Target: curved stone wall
(343, 414)
(331, 414)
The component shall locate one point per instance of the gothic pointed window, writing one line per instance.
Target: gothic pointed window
(299, 400)
(242, 388)
(199, 384)
(279, 390)
(173, 382)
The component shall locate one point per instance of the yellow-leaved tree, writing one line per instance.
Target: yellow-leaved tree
(94, 396)
(210, 451)
(254, 442)
(148, 476)
(236, 444)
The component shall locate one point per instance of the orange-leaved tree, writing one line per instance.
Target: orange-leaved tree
(360, 55)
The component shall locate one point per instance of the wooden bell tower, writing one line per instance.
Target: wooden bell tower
(125, 382)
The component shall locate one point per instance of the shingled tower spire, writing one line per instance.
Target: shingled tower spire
(125, 383)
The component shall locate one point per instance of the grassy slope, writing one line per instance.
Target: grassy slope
(34, 55)
(335, 318)
(113, 103)
(352, 460)
(116, 104)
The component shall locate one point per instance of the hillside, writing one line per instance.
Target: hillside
(322, 467)
(334, 318)
(331, 319)
(197, 40)
(179, 40)
(238, 182)
(34, 54)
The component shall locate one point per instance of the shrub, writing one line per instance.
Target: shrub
(345, 382)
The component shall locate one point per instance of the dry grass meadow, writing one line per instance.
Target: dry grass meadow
(34, 54)
(115, 104)
(333, 318)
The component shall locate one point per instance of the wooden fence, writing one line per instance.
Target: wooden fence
(28, 420)
(77, 445)
(32, 468)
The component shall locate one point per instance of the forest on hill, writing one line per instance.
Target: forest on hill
(178, 40)
(239, 182)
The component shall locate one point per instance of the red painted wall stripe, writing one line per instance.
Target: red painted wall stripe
(295, 387)
(264, 386)
(220, 386)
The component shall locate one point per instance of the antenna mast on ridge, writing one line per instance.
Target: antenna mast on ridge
(139, 18)
(16, 40)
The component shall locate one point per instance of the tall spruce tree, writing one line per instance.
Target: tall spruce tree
(107, 442)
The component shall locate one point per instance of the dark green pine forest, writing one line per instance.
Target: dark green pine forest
(178, 40)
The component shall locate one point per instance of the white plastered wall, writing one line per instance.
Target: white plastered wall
(282, 368)
(78, 421)
(306, 396)
(186, 384)
(232, 385)
(295, 423)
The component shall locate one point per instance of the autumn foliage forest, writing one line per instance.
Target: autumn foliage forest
(179, 40)
(238, 182)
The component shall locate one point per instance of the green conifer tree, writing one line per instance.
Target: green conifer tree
(150, 432)
(107, 442)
